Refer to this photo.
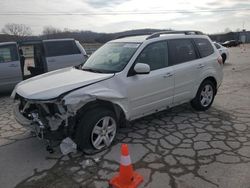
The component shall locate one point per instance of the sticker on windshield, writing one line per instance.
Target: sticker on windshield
(131, 45)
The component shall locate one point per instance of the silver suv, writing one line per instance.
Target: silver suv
(125, 79)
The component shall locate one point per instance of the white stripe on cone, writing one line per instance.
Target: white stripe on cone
(125, 160)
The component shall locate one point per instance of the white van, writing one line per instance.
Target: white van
(42, 56)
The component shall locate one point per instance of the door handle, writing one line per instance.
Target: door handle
(200, 66)
(13, 65)
(167, 75)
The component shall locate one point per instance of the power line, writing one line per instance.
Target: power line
(119, 12)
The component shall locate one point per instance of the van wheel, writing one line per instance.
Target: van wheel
(96, 130)
(204, 97)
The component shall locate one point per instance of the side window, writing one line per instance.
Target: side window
(8, 53)
(59, 48)
(204, 46)
(181, 50)
(155, 55)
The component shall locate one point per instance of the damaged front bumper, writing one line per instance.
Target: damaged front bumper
(34, 124)
(47, 120)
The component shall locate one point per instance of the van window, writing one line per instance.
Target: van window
(8, 53)
(181, 50)
(60, 48)
(155, 55)
(204, 46)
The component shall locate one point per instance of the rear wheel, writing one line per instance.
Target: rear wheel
(96, 130)
(204, 97)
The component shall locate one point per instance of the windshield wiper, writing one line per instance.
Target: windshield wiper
(92, 70)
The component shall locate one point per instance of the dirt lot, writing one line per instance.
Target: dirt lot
(175, 148)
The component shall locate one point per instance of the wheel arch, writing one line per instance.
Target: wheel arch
(116, 108)
(213, 80)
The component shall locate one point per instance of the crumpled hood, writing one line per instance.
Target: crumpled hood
(53, 84)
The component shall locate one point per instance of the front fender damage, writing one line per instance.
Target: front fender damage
(76, 100)
(55, 119)
(56, 114)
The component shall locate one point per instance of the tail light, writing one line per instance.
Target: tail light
(220, 60)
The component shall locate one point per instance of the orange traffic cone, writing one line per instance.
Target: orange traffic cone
(126, 178)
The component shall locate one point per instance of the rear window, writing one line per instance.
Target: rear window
(60, 48)
(204, 46)
(181, 50)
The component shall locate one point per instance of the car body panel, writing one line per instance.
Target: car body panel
(10, 72)
(63, 60)
(149, 91)
(53, 84)
(58, 62)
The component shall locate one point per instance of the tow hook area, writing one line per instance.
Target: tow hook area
(39, 130)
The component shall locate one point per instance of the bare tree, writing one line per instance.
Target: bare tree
(50, 30)
(19, 30)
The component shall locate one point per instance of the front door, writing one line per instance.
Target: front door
(10, 67)
(148, 93)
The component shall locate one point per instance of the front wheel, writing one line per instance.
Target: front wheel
(205, 96)
(96, 130)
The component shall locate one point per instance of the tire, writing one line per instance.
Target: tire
(224, 57)
(96, 124)
(205, 96)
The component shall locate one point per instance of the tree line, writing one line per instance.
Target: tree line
(19, 32)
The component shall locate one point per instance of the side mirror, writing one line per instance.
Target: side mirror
(142, 68)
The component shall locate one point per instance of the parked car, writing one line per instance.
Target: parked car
(46, 55)
(125, 79)
(223, 51)
(231, 43)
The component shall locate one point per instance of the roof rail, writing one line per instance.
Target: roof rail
(133, 35)
(188, 32)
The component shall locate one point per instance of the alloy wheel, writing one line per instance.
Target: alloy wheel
(103, 132)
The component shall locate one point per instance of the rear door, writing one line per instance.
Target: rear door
(10, 68)
(209, 58)
(186, 65)
(63, 53)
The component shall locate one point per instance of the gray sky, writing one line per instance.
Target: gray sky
(119, 15)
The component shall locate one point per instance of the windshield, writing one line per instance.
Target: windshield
(111, 58)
